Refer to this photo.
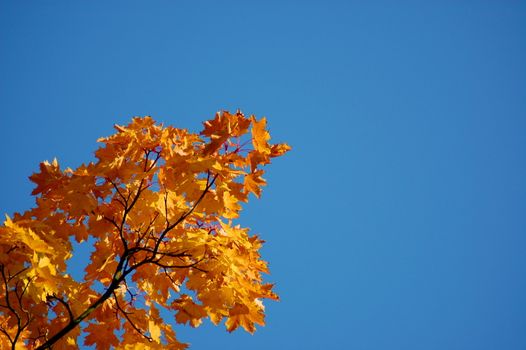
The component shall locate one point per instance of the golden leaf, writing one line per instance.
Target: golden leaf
(155, 209)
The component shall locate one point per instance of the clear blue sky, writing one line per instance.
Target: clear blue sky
(398, 221)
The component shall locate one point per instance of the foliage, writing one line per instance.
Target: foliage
(158, 206)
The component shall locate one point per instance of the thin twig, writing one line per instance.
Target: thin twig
(65, 304)
(125, 314)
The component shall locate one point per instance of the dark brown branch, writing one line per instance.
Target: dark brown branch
(166, 208)
(127, 209)
(125, 314)
(65, 304)
(16, 274)
(136, 198)
(112, 221)
(7, 301)
(11, 249)
(2, 330)
(165, 270)
(119, 192)
(151, 250)
(25, 288)
(132, 296)
(192, 265)
(146, 158)
(140, 236)
(117, 278)
(147, 155)
(19, 296)
(185, 215)
(123, 268)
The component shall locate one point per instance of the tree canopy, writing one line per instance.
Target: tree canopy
(158, 206)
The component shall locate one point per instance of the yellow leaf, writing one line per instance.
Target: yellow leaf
(100, 334)
(279, 149)
(260, 135)
(232, 206)
(28, 237)
(155, 331)
(188, 311)
(150, 208)
(46, 262)
(254, 182)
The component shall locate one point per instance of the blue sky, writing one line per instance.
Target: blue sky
(397, 221)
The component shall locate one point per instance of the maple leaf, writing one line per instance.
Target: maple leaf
(242, 315)
(27, 237)
(279, 149)
(101, 335)
(231, 204)
(260, 135)
(253, 182)
(48, 178)
(156, 207)
(188, 311)
(155, 331)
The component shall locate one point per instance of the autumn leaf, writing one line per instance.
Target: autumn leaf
(260, 135)
(27, 237)
(155, 331)
(101, 335)
(48, 178)
(188, 311)
(232, 206)
(155, 207)
(253, 182)
(279, 149)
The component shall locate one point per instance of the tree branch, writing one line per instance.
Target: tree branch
(64, 303)
(123, 270)
(125, 314)
(124, 204)
(185, 215)
(20, 324)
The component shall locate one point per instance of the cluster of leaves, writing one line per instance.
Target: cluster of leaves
(158, 206)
